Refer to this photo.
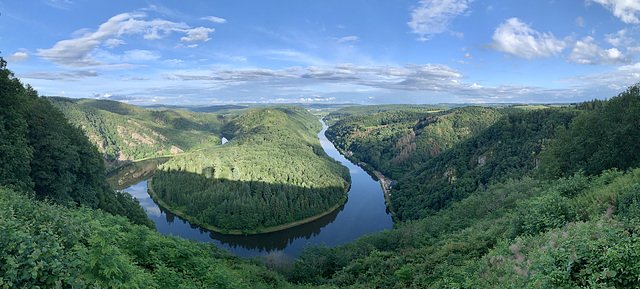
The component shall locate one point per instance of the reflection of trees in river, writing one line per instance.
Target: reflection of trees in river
(134, 173)
(266, 242)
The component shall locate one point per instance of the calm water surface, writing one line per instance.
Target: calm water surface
(364, 213)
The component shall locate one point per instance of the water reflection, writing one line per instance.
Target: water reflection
(363, 213)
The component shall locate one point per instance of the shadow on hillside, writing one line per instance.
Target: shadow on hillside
(139, 172)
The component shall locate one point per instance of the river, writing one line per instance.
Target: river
(364, 213)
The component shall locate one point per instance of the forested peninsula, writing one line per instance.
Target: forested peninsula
(272, 172)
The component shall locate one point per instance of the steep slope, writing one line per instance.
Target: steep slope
(396, 142)
(510, 148)
(43, 154)
(125, 132)
(512, 231)
(273, 171)
(48, 246)
(605, 136)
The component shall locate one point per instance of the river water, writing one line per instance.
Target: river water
(364, 213)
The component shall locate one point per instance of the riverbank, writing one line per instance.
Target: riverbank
(385, 182)
(209, 227)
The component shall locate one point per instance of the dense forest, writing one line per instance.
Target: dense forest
(397, 141)
(48, 246)
(545, 198)
(125, 132)
(272, 171)
(44, 155)
(509, 148)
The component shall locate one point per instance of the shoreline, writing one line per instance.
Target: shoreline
(236, 232)
(384, 181)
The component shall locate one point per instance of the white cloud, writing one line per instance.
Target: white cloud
(434, 16)
(113, 42)
(614, 80)
(626, 10)
(518, 39)
(348, 39)
(18, 57)
(586, 51)
(619, 38)
(59, 75)
(410, 77)
(214, 19)
(197, 34)
(580, 21)
(151, 30)
(77, 52)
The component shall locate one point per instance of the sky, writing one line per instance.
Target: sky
(204, 52)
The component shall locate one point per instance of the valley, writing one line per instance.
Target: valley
(486, 196)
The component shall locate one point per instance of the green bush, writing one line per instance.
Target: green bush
(629, 204)
(542, 213)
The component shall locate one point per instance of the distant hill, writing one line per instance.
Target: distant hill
(125, 132)
(335, 116)
(319, 109)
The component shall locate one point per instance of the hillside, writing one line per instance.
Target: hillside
(272, 171)
(334, 116)
(48, 246)
(397, 141)
(510, 148)
(512, 231)
(44, 155)
(539, 199)
(125, 132)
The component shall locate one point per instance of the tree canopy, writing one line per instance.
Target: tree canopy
(272, 171)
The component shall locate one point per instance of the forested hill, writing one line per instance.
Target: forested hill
(395, 142)
(549, 199)
(273, 171)
(125, 132)
(43, 154)
(334, 116)
(509, 148)
(499, 216)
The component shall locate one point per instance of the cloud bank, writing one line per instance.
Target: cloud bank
(78, 53)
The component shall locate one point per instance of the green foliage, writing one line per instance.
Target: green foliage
(398, 141)
(507, 149)
(629, 204)
(272, 172)
(419, 253)
(14, 144)
(43, 154)
(125, 132)
(48, 246)
(333, 117)
(603, 137)
(572, 241)
(542, 213)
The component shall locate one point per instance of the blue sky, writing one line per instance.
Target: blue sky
(360, 51)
